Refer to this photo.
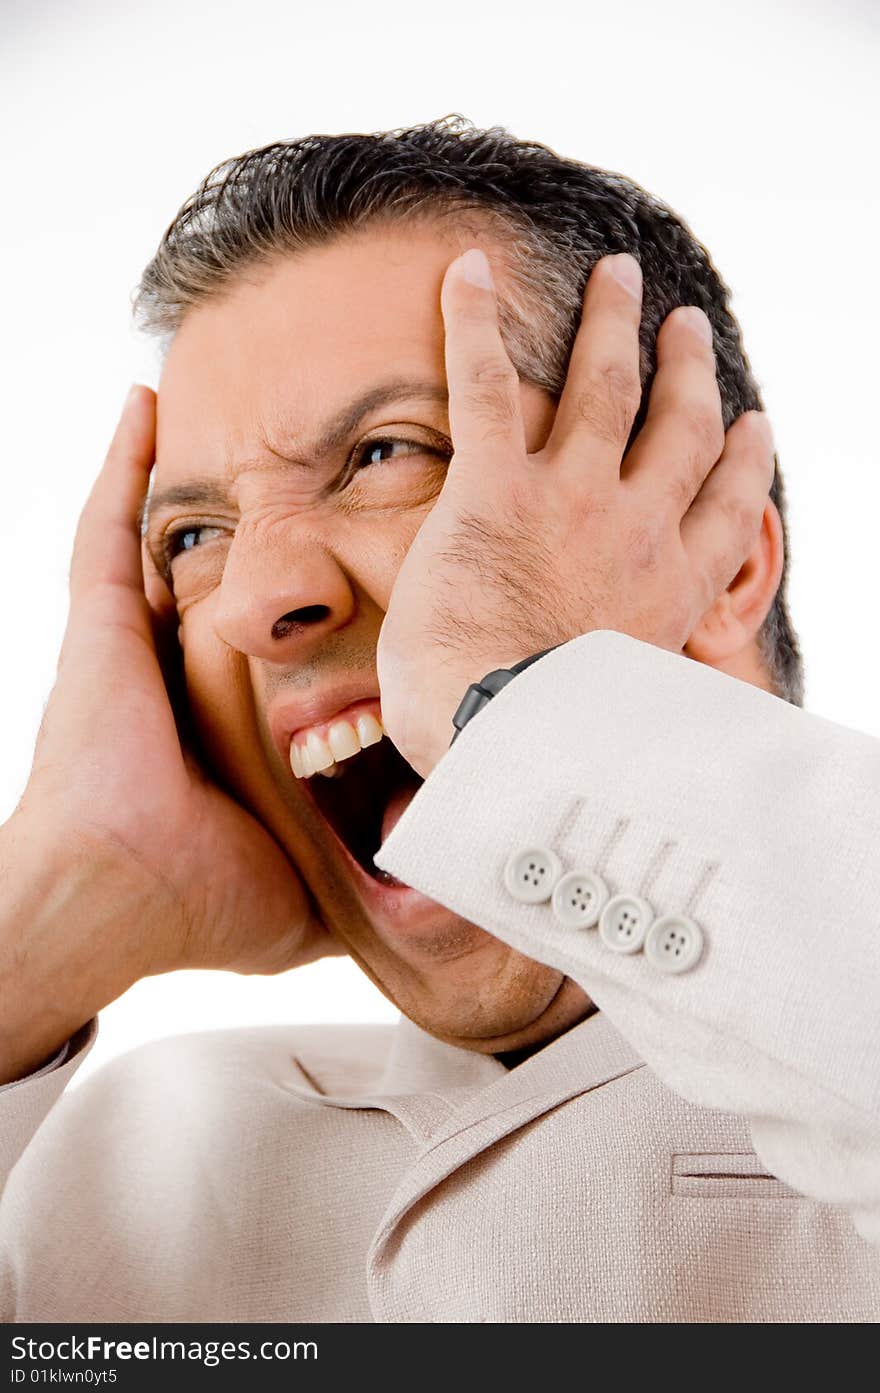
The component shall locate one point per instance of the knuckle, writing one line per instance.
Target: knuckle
(607, 403)
(493, 372)
(491, 402)
(684, 482)
(643, 548)
(707, 430)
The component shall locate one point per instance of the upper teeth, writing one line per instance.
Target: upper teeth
(319, 755)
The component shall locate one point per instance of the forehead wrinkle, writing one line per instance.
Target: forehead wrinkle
(335, 432)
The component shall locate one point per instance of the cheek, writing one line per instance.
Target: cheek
(198, 573)
(398, 542)
(376, 553)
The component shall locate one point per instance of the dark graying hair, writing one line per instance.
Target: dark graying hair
(553, 218)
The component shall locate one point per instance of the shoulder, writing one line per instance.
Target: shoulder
(262, 1056)
(143, 1182)
(169, 1106)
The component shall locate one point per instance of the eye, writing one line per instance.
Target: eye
(188, 538)
(379, 450)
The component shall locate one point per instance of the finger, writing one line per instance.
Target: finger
(723, 523)
(484, 398)
(166, 631)
(107, 550)
(160, 598)
(602, 389)
(164, 618)
(683, 434)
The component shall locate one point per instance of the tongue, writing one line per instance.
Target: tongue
(397, 806)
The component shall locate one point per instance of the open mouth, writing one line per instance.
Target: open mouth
(364, 800)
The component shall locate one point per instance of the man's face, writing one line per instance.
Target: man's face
(281, 517)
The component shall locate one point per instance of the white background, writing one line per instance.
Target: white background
(757, 121)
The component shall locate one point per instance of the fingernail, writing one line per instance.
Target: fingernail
(627, 272)
(132, 393)
(474, 267)
(698, 321)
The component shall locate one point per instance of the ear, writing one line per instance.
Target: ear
(725, 635)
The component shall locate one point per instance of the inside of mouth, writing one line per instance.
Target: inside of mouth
(354, 803)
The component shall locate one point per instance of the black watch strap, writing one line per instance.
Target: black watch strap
(479, 694)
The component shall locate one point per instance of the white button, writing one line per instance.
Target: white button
(624, 923)
(578, 899)
(674, 943)
(530, 875)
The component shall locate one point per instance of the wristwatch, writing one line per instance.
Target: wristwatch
(479, 694)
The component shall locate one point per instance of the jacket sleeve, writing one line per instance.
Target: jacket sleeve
(24, 1104)
(737, 839)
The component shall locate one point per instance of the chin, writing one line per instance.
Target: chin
(567, 1008)
(520, 1004)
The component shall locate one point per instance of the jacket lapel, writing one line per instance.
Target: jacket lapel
(586, 1057)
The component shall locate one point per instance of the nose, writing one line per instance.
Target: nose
(280, 593)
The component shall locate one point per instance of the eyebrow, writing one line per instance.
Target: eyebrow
(208, 493)
(341, 426)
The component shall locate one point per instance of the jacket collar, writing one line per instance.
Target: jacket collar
(441, 1093)
(419, 1063)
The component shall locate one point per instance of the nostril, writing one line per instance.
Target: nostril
(298, 619)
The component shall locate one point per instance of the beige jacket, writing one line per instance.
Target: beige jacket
(374, 1174)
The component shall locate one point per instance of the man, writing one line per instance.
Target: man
(370, 490)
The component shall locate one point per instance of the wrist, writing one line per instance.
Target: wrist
(62, 920)
(479, 694)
